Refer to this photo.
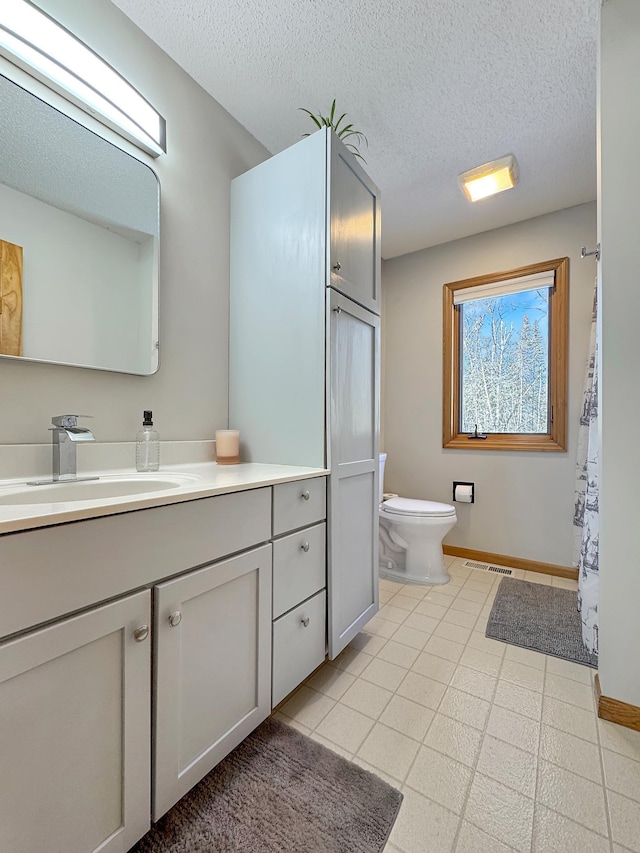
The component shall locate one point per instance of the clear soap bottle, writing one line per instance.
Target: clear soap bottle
(147, 446)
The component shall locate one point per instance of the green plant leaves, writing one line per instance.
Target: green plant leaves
(343, 132)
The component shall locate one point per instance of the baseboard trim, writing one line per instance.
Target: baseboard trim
(616, 711)
(514, 562)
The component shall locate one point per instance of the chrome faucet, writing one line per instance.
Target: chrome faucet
(65, 436)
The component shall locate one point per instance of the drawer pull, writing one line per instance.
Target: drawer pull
(141, 633)
(305, 621)
(305, 496)
(304, 547)
(175, 619)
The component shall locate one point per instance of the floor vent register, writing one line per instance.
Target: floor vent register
(484, 567)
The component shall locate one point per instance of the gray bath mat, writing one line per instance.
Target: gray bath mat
(279, 791)
(539, 617)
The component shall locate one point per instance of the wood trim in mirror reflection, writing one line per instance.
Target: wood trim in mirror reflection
(10, 298)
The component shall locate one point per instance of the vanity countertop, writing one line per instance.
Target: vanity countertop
(201, 480)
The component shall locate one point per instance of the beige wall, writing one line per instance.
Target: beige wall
(206, 148)
(524, 501)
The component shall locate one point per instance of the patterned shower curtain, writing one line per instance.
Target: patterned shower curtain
(586, 515)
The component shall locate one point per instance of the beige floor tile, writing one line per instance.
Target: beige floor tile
(307, 707)
(465, 708)
(518, 699)
(423, 826)
(525, 656)
(525, 676)
(515, 729)
(424, 691)
(553, 833)
(352, 660)
(477, 640)
(291, 722)
(622, 774)
(398, 654)
(391, 585)
(439, 597)
(459, 617)
(570, 691)
(345, 727)
(369, 643)
(479, 585)
(509, 765)
(565, 583)
(428, 608)
(482, 661)
(448, 631)
(538, 577)
(568, 669)
(472, 681)
(367, 698)
(384, 596)
(455, 580)
(410, 718)
(472, 595)
(464, 606)
(410, 637)
(569, 718)
(404, 602)
(395, 783)
(384, 674)
(457, 740)
(573, 796)
(397, 615)
(572, 753)
(434, 667)
(380, 627)
(390, 750)
(441, 779)
(421, 623)
(415, 590)
(620, 739)
(625, 821)
(442, 648)
(331, 681)
(500, 811)
(456, 568)
(345, 753)
(474, 840)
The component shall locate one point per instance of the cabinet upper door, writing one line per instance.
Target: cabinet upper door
(354, 209)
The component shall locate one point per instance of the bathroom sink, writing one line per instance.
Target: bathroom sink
(110, 486)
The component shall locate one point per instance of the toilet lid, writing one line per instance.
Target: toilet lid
(408, 506)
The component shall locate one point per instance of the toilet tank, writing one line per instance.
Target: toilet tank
(382, 460)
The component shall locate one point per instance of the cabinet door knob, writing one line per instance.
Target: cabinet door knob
(305, 496)
(175, 619)
(305, 621)
(141, 633)
(337, 266)
(305, 547)
(338, 310)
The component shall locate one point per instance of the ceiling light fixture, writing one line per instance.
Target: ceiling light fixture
(41, 46)
(489, 179)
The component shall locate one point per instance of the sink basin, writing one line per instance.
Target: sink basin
(110, 486)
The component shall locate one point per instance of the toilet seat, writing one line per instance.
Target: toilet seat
(408, 507)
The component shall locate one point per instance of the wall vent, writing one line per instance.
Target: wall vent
(484, 567)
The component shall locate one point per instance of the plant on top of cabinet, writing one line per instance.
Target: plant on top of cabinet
(343, 132)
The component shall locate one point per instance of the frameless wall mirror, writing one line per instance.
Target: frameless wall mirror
(79, 234)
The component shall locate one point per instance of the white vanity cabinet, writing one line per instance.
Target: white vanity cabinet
(305, 347)
(75, 732)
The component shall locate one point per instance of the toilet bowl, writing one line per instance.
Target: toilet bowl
(411, 534)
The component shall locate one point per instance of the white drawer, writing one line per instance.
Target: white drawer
(298, 567)
(297, 648)
(299, 504)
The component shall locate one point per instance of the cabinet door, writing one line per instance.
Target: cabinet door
(212, 668)
(352, 579)
(75, 733)
(354, 209)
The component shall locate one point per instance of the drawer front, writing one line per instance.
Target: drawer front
(299, 504)
(298, 648)
(298, 567)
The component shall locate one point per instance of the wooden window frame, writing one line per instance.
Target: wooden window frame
(556, 439)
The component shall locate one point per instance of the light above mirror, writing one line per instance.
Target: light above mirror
(42, 47)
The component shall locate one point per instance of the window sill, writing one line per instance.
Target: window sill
(506, 441)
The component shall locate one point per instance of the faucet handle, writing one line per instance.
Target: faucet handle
(67, 421)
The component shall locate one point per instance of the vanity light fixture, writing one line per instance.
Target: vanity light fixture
(489, 179)
(46, 50)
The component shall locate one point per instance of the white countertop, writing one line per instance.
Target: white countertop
(203, 480)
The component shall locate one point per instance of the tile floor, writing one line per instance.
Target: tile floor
(495, 748)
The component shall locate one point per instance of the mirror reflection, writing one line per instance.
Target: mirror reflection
(79, 222)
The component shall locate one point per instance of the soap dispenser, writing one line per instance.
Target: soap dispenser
(147, 445)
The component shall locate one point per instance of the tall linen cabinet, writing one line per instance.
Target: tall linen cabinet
(305, 347)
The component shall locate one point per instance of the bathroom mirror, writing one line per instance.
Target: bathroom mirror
(85, 215)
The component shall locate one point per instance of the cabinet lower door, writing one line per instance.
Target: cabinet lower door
(75, 733)
(352, 576)
(212, 668)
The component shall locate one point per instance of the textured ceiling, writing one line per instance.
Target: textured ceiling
(437, 86)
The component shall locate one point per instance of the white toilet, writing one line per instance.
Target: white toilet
(411, 534)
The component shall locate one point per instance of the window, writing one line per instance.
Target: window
(505, 359)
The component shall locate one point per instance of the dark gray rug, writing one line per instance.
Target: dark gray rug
(279, 791)
(539, 617)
